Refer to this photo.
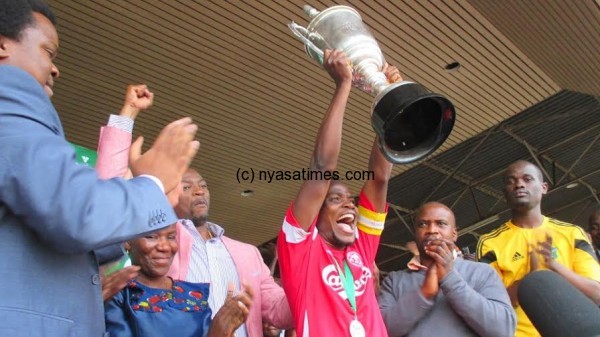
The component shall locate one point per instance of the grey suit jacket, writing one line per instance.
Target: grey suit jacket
(53, 213)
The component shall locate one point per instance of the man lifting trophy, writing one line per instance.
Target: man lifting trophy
(411, 121)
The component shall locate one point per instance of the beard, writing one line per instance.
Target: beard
(199, 221)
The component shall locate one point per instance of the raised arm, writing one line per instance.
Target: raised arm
(113, 154)
(115, 138)
(329, 138)
(376, 189)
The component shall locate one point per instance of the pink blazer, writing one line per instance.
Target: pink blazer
(269, 304)
(113, 152)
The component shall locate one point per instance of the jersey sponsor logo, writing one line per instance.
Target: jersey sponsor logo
(331, 277)
(355, 259)
(517, 256)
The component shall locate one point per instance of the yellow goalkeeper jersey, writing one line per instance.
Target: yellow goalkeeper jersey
(506, 249)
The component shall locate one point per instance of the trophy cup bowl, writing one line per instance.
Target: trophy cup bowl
(410, 121)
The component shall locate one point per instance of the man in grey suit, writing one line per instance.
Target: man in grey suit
(53, 212)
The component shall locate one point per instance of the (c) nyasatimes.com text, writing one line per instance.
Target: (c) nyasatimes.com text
(250, 175)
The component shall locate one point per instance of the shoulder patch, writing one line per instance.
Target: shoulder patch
(489, 257)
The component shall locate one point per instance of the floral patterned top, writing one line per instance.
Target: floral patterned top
(142, 311)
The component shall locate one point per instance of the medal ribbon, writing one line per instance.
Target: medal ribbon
(347, 282)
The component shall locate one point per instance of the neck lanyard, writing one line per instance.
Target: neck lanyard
(347, 281)
(356, 329)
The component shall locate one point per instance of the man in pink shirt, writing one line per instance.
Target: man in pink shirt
(207, 255)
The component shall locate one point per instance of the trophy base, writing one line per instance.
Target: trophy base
(411, 121)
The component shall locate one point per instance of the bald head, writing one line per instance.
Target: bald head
(434, 205)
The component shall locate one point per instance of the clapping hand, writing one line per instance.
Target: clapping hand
(170, 155)
(113, 283)
(442, 252)
(541, 255)
(233, 313)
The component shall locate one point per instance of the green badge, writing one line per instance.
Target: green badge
(85, 156)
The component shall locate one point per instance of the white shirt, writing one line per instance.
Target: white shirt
(211, 262)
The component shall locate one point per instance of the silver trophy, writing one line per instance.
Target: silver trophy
(411, 121)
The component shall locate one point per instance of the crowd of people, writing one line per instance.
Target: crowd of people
(126, 249)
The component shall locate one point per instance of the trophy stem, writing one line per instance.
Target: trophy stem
(374, 80)
(378, 83)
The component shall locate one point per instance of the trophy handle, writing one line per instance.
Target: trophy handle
(303, 35)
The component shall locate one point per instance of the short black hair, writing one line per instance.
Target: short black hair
(524, 162)
(418, 211)
(16, 15)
